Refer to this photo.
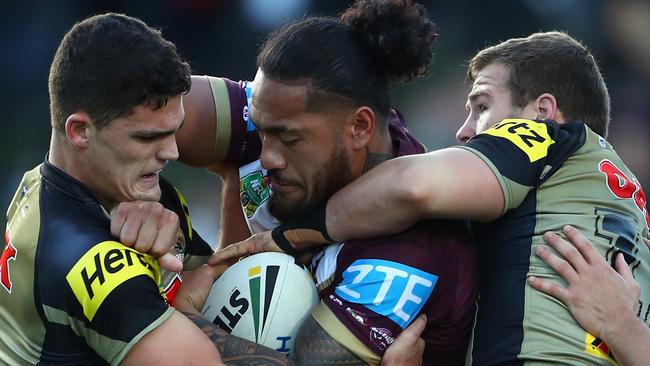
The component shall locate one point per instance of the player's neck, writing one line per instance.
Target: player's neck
(378, 150)
(62, 156)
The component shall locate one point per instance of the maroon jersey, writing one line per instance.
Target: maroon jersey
(370, 289)
(375, 288)
(381, 285)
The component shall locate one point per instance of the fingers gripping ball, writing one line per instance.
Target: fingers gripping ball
(263, 298)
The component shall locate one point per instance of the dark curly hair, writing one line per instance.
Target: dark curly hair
(352, 58)
(110, 63)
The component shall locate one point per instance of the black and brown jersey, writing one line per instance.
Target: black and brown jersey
(71, 294)
(551, 175)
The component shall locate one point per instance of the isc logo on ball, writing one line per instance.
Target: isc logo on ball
(230, 314)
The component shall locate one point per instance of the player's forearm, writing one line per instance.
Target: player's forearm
(235, 350)
(233, 224)
(315, 347)
(628, 339)
(383, 201)
(450, 183)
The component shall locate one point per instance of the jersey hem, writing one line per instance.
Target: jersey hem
(161, 319)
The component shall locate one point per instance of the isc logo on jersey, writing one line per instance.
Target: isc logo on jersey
(391, 289)
(529, 136)
(105, 267)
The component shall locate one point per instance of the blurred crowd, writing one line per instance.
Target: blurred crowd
(220, 37)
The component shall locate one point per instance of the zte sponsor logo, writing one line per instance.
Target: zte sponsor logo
(103, 268)
(387, 288)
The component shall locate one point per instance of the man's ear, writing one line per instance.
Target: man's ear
(363, 126)
(546, 106)
(76, 129)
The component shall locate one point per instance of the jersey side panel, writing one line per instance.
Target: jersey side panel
(21, 328)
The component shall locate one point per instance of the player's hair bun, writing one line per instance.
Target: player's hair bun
(397, 32)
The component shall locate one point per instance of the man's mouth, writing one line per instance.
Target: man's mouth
(152, 174)
(281, 186)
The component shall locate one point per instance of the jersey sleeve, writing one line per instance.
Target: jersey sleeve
(112, 299)
(376, 292)
(191, 246)
(236, 139)
(522, 153)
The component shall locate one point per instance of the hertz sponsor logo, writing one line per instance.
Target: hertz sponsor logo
(105, 267)
(529, 136)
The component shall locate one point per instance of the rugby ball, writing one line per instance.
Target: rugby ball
(263, 298)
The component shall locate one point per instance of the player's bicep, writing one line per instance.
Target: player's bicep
(315, 346)
(173, 343)
(216, 128)
(196, 137)
(459, 184)
(112, 299)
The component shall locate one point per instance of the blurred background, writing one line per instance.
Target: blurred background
(221, 38)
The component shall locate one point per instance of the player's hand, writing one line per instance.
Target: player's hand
(258, 243)
(596, 294)
(148, 227)
(196, 287)
(408, 347)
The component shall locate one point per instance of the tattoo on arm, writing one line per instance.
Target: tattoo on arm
(374, 159)
(315, 347)
(235, 350)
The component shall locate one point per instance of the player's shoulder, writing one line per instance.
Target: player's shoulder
(63, 243)
(401, 136)
(423, 234)
(522, 149)
(71, 223)
(79, 271)
(426, 245)
(531, 135)
(67, 231)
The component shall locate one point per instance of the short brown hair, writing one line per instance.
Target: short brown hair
(110, 63)
(555, 63)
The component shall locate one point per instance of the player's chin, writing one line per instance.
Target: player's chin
(284, 208)
(148, 193)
